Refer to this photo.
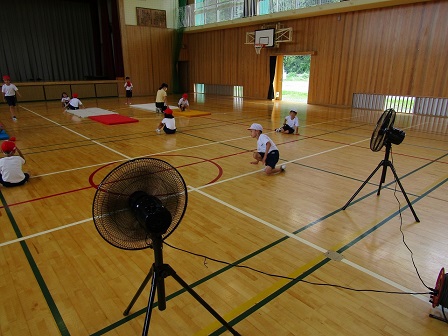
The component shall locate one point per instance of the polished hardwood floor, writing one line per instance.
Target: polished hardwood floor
(60, 277)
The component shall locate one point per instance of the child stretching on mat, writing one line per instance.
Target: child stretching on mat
(168, 123)
(266, 152)
(75, 103)
(291, 124)
(183, 102)
(9, 91)
(65, 99)
(11, 173)
(128, 85)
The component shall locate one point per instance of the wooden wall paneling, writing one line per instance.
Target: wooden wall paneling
(346, 66)
(423, 67)
(30, 93)
(434, 52)
(55, 91)
(379, 51)
(84, 90)
(107, 90)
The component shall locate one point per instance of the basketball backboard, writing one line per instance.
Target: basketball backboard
(265, 36)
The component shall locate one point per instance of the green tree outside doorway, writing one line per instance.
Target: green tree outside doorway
(296, 73)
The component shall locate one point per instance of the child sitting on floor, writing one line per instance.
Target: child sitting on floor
(11, 173)
(291, 124)
(168, 123)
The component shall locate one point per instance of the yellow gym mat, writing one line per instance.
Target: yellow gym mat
(191, 113)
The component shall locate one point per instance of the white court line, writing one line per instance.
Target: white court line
(79, 134)
(358, 267)
(44, 232)
(312, 245)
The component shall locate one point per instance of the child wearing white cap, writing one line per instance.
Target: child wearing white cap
(267, 151)
(291, 124)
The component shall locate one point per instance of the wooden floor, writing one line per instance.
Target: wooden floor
(58, 276)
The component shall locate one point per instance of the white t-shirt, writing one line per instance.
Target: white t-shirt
(169, 123)
(65, 100)
(292, 122)
(128, 87)
(263, 139)
(75, 102)
(11, 169)
(183, 102)
(9, 90)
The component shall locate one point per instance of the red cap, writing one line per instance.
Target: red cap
(75, 95)
(184, 96)
(6, 77)
(8, 146)
(168, 111)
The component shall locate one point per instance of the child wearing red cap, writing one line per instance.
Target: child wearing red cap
(128, 86)
(183, 102)
(75, 103)
(168, 123)
(9, 91)
(11, 173)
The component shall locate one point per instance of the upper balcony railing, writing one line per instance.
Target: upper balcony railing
(214, 11)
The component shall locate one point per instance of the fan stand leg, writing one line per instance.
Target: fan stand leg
(139, 291)
(385, 163)
(170, 271)
(404, 192)
(159, 271)
(362, 186)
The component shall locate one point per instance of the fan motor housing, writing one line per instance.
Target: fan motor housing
(396, 136)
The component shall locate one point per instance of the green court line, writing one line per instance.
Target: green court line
(222, 270)
(272, 296)
(37, 274)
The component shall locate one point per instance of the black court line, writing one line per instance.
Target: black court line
(255, 253)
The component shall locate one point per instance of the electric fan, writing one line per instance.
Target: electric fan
(385, 122)
(385, 134)
(138, 205)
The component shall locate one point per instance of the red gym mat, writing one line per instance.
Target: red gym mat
(113, 119)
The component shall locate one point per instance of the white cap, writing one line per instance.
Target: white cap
(256, 127)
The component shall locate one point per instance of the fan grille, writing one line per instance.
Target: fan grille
(379, 134)
(115, 219)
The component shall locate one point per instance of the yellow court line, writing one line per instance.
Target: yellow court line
(279, 284)
(260, 296)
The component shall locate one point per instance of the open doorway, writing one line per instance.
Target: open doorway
(296, 74)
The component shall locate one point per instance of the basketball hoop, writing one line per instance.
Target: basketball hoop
(258, 47)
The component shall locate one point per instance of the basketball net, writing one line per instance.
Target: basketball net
(258, 47)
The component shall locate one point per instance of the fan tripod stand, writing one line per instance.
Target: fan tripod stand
(158, 272)
(384, 163)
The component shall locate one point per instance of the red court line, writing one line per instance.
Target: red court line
(93, 185)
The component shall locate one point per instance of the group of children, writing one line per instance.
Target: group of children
(11, 173)
(71, 103)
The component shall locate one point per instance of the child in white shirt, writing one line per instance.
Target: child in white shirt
(291, 124)
(183, 102)
(168, 123)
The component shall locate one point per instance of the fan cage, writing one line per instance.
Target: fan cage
(385, 122)
(115, 220)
